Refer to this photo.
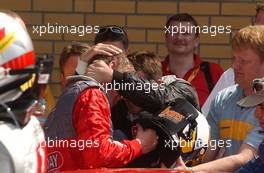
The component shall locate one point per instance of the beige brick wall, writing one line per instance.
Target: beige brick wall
(143, 19)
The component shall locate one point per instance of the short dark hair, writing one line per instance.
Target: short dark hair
(147, 62)
(74, 49)
(106, 34)
(259, 7)
(183, 17)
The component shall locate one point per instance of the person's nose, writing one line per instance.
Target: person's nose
(179, 36)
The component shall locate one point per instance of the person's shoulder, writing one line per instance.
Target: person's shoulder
(172, 80)
(92, 95)
(92, 91)
(231, 89)
(214, 64)
(164, 62)
(215, 71)
(216, 67)
(81, 83)
(226, 99)
(229, 93)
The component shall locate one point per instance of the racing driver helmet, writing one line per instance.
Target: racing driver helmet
(182, 130)
(21, 137)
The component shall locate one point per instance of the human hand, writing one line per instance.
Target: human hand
(179, 164)
(148, 139)
(100, 71)
(102, 49)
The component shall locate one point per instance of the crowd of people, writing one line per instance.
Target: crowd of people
(130, 109)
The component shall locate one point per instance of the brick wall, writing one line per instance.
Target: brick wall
(143, 19)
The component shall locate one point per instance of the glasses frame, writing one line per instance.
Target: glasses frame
(113, 29)
(257, 85)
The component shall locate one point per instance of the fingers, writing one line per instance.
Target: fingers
(148, 138)
(112, 48)
(180, 162)
(100, 71)
(106, 49)
(162, 165)
(139, 128)
(115, 49)
(103, 52)
(98, 63)
(102, 49)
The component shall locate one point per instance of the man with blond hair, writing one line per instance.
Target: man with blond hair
(227, 78)
(228, 120)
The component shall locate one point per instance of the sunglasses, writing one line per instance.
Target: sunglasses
(113, 29)
(257, 85)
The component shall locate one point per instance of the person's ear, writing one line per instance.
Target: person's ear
(61, 76)
(196, 41)
(63, 79)
(127, 51)
(166, 37)
(113, 64)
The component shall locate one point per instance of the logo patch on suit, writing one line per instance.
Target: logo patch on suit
(55, 161)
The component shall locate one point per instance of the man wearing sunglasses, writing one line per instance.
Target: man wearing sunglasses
(110, 40)
(256, 165)
(148, 70)
(152, 101)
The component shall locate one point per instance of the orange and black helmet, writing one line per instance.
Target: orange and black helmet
(182, 130)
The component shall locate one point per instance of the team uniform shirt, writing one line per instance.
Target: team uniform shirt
(226, 80)
(231, 123)
(196, 76)
(92, 122)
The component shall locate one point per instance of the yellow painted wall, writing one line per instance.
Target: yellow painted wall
(144, 21)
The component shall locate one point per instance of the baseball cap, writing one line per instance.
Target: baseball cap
(257, 97)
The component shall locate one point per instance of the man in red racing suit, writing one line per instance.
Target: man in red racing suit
(82, 117)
